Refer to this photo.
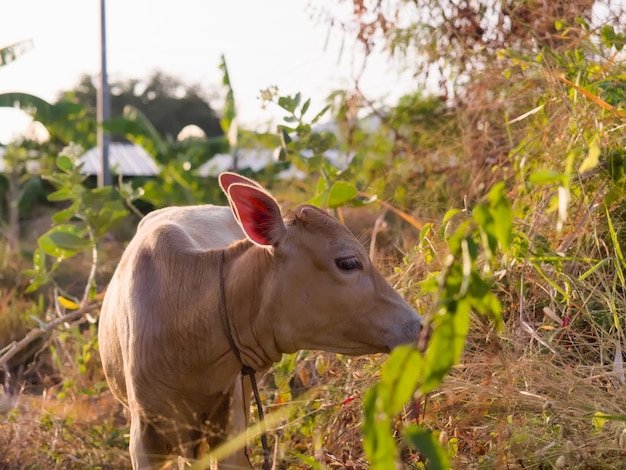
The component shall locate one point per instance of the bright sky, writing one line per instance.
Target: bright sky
(270, 42)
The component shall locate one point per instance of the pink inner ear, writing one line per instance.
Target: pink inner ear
(227, 179)
(257, 213)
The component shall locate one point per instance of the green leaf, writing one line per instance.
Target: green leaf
(592, 159)
(143, 132)
(39, 259)
(340, 193)
(66, 214)
(305, 106)
(13, 51)
(378, 440)
(485, 302)
(454, 240)
(30, 104)
(65, 163)
(546, 177)
(287, 103)
(39, 274)
(35, 283)
(453, 447)
(599, 420)
(450, 327)
(68, 241)
(426, 229)
(320, 114)
(229, 113)
(451, 213)
(607, 34)
(502, 215)
(428, 446)
(484, 219)
(108, 216)
(63, 241)
(400, 376)
(284, 135)
(314, 163)
(60, 195)
(594, 268)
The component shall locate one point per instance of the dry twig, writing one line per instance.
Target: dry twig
(16, 346)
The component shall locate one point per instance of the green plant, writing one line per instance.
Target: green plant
(462, 287)
(308, 150)
(89, 215)
(13, 51)
(20, 185)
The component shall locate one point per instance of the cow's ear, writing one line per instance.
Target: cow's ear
(226, 179)
(257, 212)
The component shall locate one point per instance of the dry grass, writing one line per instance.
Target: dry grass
(45, 432)
(509, 404)
(513, 404)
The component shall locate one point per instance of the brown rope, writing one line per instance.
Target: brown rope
(245, 370)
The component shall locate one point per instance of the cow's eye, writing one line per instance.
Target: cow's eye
(348, 264)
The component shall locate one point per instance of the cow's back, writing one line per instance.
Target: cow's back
(210, 226)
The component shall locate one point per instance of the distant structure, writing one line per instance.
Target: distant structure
(124, 159)
(104, 107)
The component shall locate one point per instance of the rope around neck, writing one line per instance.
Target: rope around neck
(245, 370)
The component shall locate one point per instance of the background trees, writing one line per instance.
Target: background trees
(169, 104)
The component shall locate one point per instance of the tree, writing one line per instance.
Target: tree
(482, 55)
(13, 51)
(167, 102)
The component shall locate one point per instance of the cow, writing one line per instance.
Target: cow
(201, 291)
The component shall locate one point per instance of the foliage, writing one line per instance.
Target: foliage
(64, 120)
(315, 151)
(90, 214)
(166, 101)
(22, 189)
(178, 182)
(13, 51)
(459, 289)
(456, 40)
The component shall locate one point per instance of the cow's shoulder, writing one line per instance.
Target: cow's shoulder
(209, 226)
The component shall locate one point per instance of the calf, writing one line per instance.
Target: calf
(174, 358)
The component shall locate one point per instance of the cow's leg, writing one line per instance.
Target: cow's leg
(148, 448)
(239, 417)
(190, 447)
(231, 419)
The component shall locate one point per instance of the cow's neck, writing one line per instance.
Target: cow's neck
(248, 280)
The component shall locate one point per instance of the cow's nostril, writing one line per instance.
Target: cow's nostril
(412, 329)
(424, 337)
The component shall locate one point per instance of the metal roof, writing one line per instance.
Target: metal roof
(255, 159)
(124, 159)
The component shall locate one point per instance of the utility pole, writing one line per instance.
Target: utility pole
(104, 105)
